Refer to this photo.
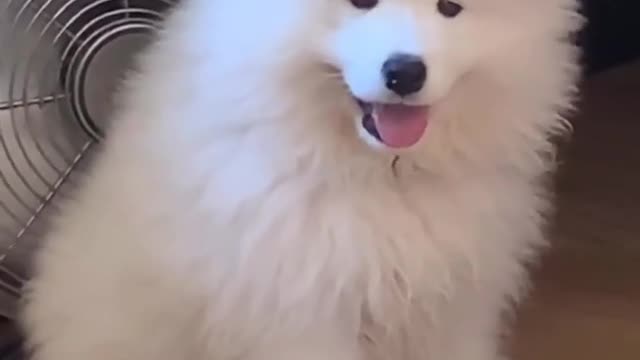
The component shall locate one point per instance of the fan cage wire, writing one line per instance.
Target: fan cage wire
(96, 24)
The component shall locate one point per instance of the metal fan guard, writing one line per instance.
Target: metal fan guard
(65, 61)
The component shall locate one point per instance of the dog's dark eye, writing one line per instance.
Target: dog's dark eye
(364, 4)
(449, 8)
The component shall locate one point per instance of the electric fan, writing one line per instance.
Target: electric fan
(60, 63)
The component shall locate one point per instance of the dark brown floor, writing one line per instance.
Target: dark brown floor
(586, 304)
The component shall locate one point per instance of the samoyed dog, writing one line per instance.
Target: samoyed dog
(315, 179)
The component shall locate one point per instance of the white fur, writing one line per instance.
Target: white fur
(235, 213)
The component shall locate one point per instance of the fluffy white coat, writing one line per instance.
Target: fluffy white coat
(236, 211)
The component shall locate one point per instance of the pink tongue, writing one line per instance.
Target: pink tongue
(400, 126)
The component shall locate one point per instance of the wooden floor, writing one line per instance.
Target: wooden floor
(586, 304)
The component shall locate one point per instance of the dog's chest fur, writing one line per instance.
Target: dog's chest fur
(239, 257)
(269, 252)
(386, 257)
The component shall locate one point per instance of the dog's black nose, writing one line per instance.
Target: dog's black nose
(404, 74)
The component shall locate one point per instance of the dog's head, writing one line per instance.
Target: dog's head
(417, 76)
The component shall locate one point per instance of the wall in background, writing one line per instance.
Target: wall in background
(612, 36)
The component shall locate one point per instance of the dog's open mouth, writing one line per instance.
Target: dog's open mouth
(397, 126)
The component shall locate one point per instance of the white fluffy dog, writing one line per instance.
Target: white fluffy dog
(315, 179)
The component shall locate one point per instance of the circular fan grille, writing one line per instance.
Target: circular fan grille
(60, 63)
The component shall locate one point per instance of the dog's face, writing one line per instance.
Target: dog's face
(409, 75)
(398, 59)
(401, 59)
